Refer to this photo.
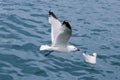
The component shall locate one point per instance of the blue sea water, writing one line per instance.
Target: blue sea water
(24, 27)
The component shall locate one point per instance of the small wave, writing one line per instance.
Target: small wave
(105, 47)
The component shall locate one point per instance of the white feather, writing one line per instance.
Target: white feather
(55, 27)
(90, 58)
(45, 47)
(62, 37)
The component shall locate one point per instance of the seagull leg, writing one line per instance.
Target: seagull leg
(48, 53)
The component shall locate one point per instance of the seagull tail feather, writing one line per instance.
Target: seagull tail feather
(45, 47)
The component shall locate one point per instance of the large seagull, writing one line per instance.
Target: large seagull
(60, 34)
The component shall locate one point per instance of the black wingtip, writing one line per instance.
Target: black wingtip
(52, 14)
(67, 24)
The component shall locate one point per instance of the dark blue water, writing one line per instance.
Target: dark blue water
(24, 27)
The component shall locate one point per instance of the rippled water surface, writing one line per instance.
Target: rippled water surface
(24, 27)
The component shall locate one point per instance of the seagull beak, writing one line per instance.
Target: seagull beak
(78, 49)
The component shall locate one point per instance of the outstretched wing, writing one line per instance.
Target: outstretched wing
(55, 25)
(63, 35)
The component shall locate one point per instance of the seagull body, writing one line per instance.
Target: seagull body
(60, 34)
(90, 58)
(68, 48)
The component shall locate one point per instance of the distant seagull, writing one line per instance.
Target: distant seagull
(90, 58)
(60, 34)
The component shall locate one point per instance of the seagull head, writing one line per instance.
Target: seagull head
(95, 54)
(73, 48)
